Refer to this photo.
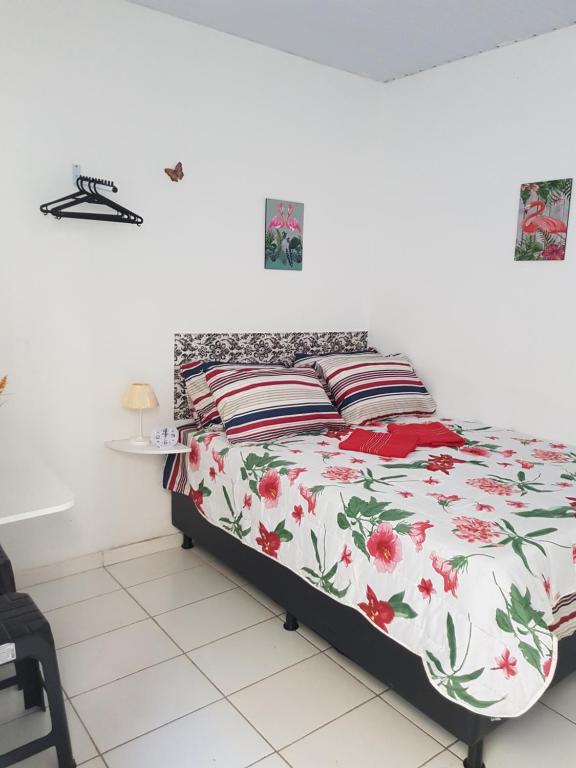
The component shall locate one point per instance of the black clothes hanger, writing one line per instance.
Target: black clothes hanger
(88, 193)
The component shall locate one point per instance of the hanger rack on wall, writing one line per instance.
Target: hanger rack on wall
(88, 194)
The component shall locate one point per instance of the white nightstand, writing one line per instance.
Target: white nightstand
(127, 446)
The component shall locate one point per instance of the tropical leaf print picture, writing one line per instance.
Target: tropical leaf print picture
(543, 220)
(283, 235)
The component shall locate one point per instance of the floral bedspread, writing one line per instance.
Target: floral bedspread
(465, 556)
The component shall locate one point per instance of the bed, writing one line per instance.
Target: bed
(383, 557)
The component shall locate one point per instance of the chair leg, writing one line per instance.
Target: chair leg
(475, 752)
(30, 681)
(60, 731)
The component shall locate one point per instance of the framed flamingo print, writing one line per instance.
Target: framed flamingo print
(283, 237)
(543, 220)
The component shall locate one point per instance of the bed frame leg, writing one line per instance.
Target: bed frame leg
(187, 542)
(475, 752)
(291, 623)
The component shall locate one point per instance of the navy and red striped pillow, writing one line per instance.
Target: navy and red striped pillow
(200, 401)
(258, 404)
(371, 386)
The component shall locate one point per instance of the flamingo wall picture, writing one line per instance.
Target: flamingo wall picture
(283, 235)
(543, 220)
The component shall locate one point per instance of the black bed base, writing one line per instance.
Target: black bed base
(347, 630)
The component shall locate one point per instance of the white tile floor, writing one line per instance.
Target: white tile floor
(171, 659)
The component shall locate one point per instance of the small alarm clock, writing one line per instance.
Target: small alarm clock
(164, 437)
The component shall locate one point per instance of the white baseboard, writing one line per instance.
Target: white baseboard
(30, 576)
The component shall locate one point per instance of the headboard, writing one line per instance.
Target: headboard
(255, 348)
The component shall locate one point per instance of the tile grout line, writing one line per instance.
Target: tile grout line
(427, 762)
(416, 724)
(102, 634)
(83, 724)
(154, 578)
(333, 720)
(556, 712)
(77, 602)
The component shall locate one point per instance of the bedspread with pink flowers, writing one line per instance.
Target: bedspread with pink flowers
(464, 556)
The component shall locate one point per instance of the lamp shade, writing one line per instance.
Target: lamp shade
(139, 397)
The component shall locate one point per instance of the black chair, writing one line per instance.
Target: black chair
(27, 677)
(7, 583)
(25, 636)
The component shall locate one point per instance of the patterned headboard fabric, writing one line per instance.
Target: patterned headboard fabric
(255, 348)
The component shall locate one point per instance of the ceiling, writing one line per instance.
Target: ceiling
(380, 39)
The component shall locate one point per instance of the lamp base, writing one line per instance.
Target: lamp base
(139, 440)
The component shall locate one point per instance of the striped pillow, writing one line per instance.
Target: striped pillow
(372, 386)
(265, 403)
(307, 360)
(200, 401)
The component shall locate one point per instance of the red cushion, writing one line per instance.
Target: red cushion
(379, 443)
(431, 434)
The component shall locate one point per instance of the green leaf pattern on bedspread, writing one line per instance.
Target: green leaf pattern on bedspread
(460, 555)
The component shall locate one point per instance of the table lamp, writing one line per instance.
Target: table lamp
(139, 397)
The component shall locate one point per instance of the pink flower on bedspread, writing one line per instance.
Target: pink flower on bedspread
(525, 464)
(574, 553)
(442, 463)
(385, 547)
(472, 529)
(426, 588)
(448, 573)
(247, 502)
(194, 455)
(475, 450)
(346, 556)
(488, 485)
(484, 507)
(309, 498)
(209, 437)
(297, 513)
(507, 664)
(337, 433)
(342, 474)
(218, 459)
(546, 666)
(212, 473)
(417, 533)
(550, 455)
(268, 540)
(198, 499)
(294, 473)
(269, 488)
(378, 611)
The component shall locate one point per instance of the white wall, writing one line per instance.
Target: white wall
(494, 338)
(87, 307)
(411, 193)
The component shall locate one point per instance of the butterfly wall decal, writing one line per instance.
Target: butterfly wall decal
(176, 173)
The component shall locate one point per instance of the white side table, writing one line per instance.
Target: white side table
(127, 446)
(28, 488)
